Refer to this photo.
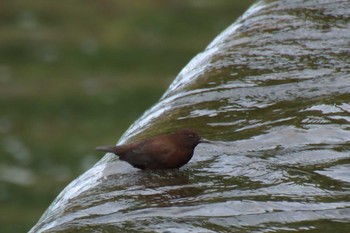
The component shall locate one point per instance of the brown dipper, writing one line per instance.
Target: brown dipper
(160, 152)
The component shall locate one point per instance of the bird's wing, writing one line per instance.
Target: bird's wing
(148, 153)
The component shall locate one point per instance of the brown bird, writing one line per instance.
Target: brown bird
(160, 152)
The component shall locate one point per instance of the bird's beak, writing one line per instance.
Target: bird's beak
(106, 148)
(203, 140)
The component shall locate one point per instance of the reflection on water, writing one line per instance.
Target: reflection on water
(272, 92)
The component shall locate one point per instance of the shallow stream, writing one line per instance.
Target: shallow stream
(273, 94)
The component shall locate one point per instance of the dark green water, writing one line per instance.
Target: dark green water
(74, 75)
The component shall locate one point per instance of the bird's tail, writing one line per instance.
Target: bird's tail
(112, 149)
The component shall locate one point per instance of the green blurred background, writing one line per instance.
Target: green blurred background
(75, 75)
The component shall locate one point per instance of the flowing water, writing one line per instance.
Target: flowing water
(272, 92)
